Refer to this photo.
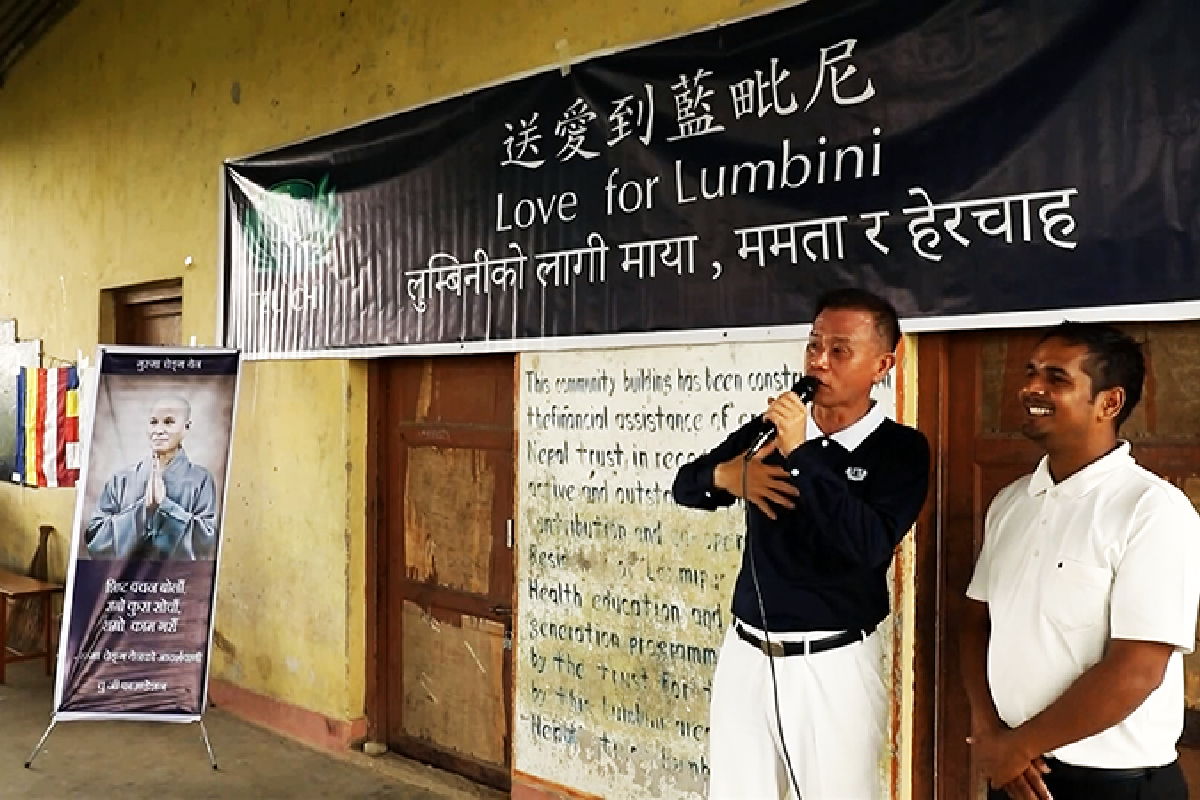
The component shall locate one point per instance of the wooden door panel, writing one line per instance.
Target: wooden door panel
(454, 693)
(159, 323)
(961, 531)
(448, 502)
(464, 390)
(148, 314)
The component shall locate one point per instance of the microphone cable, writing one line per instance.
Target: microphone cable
(762, 613)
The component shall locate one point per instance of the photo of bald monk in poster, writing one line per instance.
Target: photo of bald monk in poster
(162, 508)
(157, 455)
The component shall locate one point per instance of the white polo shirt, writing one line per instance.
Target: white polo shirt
(1112, 552)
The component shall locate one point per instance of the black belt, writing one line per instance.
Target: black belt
(805, 648)
(1062, 769)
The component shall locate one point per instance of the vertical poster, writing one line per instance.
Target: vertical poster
(146, 541)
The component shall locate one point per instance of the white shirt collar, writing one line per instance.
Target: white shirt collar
(1085, 479)
(851, 436)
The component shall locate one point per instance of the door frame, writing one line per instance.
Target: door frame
(928, 659)
(118, 303)
(376, 584)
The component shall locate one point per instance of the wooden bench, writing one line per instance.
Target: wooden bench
(18, 587)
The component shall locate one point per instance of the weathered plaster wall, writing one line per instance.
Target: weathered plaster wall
(115, 125)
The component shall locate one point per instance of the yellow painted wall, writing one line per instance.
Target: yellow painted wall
(114, 128)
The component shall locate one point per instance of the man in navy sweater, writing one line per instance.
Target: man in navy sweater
(798, 696)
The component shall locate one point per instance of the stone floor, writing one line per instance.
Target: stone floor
(131, 760)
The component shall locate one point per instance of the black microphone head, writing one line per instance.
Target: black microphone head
(805, 388)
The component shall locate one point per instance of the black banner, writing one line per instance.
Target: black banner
(961, 158)
(145, 548)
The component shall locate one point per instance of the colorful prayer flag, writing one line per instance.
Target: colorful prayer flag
(48, 450)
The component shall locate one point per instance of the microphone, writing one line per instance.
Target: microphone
(804, 388)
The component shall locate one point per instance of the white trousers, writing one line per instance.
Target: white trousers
(834, 712)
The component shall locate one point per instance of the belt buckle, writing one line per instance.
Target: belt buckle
(773, 649)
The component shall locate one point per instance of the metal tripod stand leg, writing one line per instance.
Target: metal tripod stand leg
(41, 742)
(211, 758)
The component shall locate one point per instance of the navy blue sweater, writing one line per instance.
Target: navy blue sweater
(822, 565)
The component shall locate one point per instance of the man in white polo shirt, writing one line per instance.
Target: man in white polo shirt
(1084, 597)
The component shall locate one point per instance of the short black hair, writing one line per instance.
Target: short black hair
(1114, 359)
(887, 324)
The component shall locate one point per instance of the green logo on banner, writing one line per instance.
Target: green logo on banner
(291, 228)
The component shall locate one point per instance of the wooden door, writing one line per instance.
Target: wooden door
(149, 314)
(446, 562)
(969, 407)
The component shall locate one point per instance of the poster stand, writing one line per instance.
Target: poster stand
(41, 741)
(129, 631)
(212, 759)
